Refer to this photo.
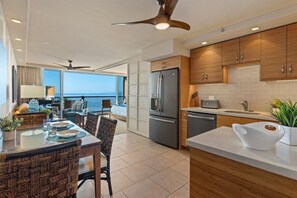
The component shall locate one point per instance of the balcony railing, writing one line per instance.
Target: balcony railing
(94, 102)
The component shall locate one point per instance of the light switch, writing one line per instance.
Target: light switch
(211, 97)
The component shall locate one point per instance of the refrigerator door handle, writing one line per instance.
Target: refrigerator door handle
(201, 117)
(158, 87)
(160, 95)
(162, 120)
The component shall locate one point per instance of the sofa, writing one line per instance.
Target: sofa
(70, 113)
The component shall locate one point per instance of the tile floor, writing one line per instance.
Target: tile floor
(141, 168)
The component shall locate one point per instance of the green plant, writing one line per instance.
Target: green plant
(7, 124)
(46, 111)
(286, 113)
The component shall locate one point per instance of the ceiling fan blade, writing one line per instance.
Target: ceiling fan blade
(179, 24)
(61, 65)
(148, 21)
(169, 7)
(80, 67)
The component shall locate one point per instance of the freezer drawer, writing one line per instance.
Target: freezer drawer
(164, 131)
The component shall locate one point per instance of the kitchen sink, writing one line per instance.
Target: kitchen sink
(242, 112)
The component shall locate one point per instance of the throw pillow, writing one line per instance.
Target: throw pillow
(77, 106)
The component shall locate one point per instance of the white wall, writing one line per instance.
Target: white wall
(7, 107)
(244, 84)
(138, 102)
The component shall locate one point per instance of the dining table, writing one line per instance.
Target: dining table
(90, 146)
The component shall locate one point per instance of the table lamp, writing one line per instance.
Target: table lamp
(33, 91)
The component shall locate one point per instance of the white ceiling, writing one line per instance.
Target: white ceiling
(56, 30)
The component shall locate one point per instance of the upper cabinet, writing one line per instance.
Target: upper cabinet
(206, 65)
(279, 53)
(168, 63)
(241, 50)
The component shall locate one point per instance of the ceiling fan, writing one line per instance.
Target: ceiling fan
(162, 21)
(70, 67)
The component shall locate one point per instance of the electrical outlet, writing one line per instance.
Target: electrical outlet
(211, 97)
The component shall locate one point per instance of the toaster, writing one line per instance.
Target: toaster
(210, 104)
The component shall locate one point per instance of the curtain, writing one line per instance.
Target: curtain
(27, 76)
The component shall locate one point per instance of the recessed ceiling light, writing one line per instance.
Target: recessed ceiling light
(17, 39)
(255, 28)
(204, 43)
(16, 21)
(19, 50)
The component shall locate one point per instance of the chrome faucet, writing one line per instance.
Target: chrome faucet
(245, 105)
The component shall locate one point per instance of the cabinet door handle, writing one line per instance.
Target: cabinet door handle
(242, 56)
(163, 65)
(283, 69)
(290, 68)
(236, 57)
(206, 76)
(202, 76)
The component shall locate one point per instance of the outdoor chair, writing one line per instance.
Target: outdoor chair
(105, 104)
(105, 134)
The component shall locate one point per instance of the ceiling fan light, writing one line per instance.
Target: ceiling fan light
(162, 26)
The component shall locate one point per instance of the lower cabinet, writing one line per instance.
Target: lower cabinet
(223, 120)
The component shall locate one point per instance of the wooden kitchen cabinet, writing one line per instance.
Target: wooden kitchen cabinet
(184, 128)
(292, 51)
(205, 65)
(223, 120)
(169, 63)
(279, 53)
(241, 50)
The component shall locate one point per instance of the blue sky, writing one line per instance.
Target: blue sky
(80, 83)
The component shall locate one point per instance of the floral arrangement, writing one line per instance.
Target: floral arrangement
(285, 112)
(7, 124)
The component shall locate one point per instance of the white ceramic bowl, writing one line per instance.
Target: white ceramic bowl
(259, 135)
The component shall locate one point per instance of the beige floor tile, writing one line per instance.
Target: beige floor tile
(133, 158)
(130, 148)
(180, 193)
(170, 180)
(87, 190)
(145, 189)
(117, 164)
(119, 181)
(187, 186)
(158, 163)
(116, 195)
(183, 167)
(155, 150)
(117, 152)
(174, 155)
(138, 172)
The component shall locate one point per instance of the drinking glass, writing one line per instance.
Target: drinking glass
(46, 124)
(52, 131)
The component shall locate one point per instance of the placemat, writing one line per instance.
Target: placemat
(60, 139)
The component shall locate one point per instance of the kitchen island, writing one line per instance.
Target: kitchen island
(221, 166)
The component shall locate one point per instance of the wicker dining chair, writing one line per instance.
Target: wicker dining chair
(105, 133)
(91, 123)
(43, 172)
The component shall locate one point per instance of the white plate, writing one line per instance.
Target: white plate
(60, 124)
(68, 133)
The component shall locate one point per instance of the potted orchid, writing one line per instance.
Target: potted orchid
(8, 127)
(286, 113)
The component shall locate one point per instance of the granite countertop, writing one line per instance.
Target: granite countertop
(261, 115)
(281, 159)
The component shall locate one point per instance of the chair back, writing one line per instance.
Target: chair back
(43, 172)
(91, 123)
(106, 104)
(105, 133)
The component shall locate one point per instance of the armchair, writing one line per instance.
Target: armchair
(69, 113)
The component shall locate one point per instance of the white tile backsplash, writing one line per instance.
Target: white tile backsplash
(244, 84)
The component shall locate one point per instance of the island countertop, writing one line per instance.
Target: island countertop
(281, 159)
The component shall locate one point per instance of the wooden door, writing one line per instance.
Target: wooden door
(250, 48)
(213, 64)
(168, 63)
(230, 52)
(292, 51)
(273, 54)
(197, 66)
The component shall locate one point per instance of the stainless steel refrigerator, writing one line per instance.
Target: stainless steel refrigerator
(164, 107)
